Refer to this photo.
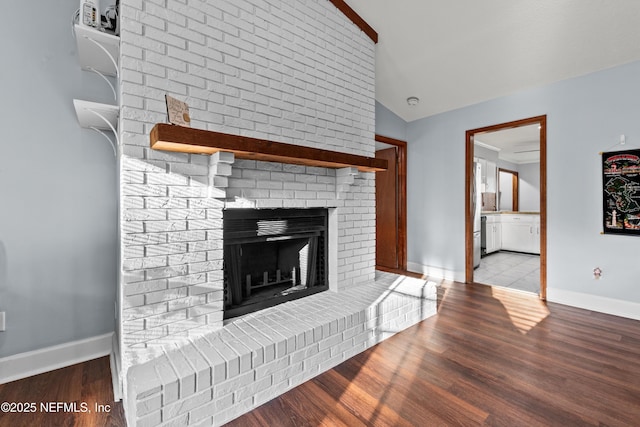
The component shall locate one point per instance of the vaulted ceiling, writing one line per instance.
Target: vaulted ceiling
(451, 54)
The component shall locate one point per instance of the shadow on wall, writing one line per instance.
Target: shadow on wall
(4, 275)
(4, 282)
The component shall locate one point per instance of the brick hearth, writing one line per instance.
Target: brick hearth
(221, 375)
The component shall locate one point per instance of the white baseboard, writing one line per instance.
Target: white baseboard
(630, 310)
(436, 272)
(47, 359)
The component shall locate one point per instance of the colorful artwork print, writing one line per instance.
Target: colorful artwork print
(621, 192)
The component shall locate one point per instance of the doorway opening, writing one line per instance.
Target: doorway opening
(514, 210)
(391, 206)
(508, 189)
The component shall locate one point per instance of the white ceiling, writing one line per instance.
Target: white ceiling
(517, 145)
(456, 53)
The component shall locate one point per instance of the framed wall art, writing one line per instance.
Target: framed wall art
(621, 192)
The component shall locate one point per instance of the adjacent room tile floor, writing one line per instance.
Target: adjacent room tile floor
(511, 270)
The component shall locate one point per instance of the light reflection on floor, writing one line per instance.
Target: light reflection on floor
(525, 311)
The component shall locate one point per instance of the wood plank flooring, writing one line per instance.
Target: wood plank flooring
(88, 383)
(491, 356)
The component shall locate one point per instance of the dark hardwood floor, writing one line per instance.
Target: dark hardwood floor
(86, 383)
(491, 356)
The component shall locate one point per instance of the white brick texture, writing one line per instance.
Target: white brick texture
(291, 71)
(221, 375)
(246, 69)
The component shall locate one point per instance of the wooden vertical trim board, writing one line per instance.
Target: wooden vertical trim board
(402, 203)
(468, 214)
(402, 157)
(543, 208)
(515, 192)
(542, 122)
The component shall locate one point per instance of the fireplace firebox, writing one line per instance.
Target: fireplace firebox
(272, 256)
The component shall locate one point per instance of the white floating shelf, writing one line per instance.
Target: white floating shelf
(97, 50)
(93, 115)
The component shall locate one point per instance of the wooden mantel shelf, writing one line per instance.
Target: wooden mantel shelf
(181, 139)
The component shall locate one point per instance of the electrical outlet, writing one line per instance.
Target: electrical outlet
(597, 273)
(2, 321)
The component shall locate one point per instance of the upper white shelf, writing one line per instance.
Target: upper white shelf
(97, 50)
(93, 115)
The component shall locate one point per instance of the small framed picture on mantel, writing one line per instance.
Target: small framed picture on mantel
(178, 112)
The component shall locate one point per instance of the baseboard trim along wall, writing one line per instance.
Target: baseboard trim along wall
(47, 359)
(630, 310)
(436, 272)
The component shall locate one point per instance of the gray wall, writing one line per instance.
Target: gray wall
(485, 153)
(585, 115)
(57, 187)
(389, 124)
(505, 183)
(529, 187)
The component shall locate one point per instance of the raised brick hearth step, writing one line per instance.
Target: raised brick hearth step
(215, 378)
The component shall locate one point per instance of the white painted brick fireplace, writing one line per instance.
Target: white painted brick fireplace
(292, 71)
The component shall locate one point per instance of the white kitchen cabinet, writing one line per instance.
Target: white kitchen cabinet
(493, 234)
(536, 236)
(488, 174)
(516, 236)
(521, 233)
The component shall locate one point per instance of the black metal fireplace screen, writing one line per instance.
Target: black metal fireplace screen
(272, 256)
